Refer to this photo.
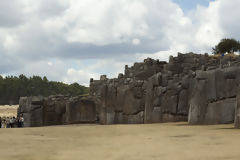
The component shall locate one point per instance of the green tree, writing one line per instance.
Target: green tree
(226, 46)
(12, 88)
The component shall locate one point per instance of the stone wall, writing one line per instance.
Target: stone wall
(200, 89)
(214, 97)
(155, 91)
(56, 110)
(237, 110)
(80, 110)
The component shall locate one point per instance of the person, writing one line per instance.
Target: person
(8, 122)
(0, 122)
(14, 122)
(3, 122)
(22, 121)
(18, 122)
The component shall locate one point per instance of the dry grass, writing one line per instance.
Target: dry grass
(8, 111)
(215, 55)
(229, 55)
(232, 55)
(170, 141)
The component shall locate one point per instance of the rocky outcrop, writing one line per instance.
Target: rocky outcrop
(193, 87)
(56, 110)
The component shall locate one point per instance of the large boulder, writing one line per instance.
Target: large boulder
(54, 108)
(183, 104)
(198, 103)
(103, 104)
(121, 94)
(170, 102)
(157, 115)
(220, 112)
(213, 100)
(80, 111)
(210, 83)
(237, 111)
(134, 119)
(131, 104)
(36, 115)
(149, 100)
(24, 105)
(31, 108)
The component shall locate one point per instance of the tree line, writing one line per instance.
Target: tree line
(13, 87)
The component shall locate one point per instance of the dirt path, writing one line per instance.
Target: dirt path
(172, 141)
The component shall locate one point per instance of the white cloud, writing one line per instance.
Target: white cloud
(209, 30)
(136, 41)
(50, 63)
(81, 76)
(101, 22)
(229, 18)
(161, 55)
(46, 37)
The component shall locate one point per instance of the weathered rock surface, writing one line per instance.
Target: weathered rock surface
(237, 110)
(56, 110)
(199, 88)
(214, 97)
(220, 112)
(80, 110)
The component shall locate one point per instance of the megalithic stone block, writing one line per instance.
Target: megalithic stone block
(237, 110)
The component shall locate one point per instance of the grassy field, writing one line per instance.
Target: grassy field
(169, 141)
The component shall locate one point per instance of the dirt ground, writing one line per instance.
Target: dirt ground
(8, 111)
(169, 141)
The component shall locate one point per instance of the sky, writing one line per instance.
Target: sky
(73, 41)
(187, 5)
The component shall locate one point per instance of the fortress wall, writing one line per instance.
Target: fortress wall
(56, 110)
(154, 91)
(200, 89)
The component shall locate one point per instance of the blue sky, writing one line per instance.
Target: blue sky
(187, 5)
(75, 40)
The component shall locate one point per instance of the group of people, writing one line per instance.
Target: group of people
(11, 122)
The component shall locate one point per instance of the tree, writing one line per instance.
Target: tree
(12, 87)
(226, 45)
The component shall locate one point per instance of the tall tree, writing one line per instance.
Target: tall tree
(226, 46)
